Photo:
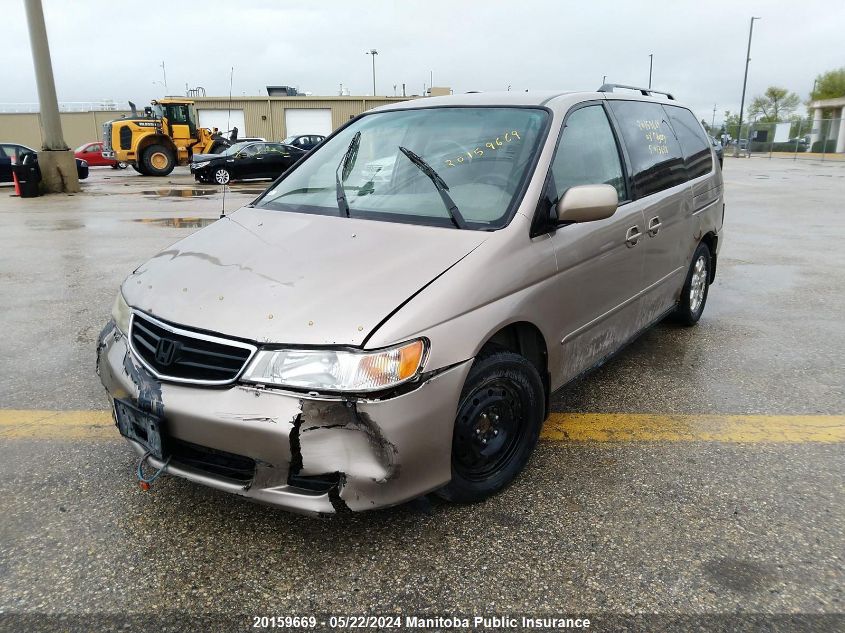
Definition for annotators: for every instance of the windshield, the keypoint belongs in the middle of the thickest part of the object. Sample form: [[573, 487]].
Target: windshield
[[481, 154], [234, 149]]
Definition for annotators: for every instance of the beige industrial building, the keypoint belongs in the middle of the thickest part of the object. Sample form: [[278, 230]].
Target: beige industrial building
[[272, 118]]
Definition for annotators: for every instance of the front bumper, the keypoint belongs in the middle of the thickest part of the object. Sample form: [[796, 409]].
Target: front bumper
[[381, 452]]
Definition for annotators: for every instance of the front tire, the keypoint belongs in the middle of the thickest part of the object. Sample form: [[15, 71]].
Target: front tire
[[696, 287], [158, 160], [221, 176], [499, 418], [121, 165]]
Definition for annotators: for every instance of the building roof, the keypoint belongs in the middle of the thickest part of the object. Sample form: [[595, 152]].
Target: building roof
[[838, 102]]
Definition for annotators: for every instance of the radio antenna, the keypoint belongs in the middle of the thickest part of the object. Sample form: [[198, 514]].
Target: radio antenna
[[223, 210]]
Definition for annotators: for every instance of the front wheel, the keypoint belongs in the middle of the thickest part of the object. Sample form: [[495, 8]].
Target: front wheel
[[121, 165], [158, 160], [694, 292], [222, 176], [498, 424]]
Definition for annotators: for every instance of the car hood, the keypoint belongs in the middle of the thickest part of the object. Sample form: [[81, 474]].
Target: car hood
[[203, 158], [296, 278]]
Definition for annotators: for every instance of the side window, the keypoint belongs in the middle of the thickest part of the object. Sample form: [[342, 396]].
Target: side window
[[587, 153], [655, 154], [694, 143], [249, 150]]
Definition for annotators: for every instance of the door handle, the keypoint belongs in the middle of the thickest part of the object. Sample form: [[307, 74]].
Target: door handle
[[632, 237], [654, 226]]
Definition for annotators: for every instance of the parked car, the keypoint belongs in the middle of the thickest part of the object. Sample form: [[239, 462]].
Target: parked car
[[92, 153], [304, 141], [346, 342], [720, 151], [243, 161], [14, 152]]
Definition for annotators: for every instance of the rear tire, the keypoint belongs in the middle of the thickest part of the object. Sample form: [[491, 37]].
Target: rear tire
[[696, 287], [158, 160], [499, 418]]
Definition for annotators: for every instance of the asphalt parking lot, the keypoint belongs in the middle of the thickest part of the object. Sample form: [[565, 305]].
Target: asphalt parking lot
[[699, 472]]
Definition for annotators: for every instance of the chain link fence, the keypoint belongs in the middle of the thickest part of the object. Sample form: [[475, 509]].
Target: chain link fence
[[819, 139]]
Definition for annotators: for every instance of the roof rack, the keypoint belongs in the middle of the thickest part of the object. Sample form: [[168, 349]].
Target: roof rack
[[646, 92]]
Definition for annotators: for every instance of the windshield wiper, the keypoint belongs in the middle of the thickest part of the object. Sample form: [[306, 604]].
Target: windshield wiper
[[442, 187], [342, 172]]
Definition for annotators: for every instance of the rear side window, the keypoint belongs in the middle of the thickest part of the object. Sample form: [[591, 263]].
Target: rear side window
[[694, 143], [587, 154], [656, 157]]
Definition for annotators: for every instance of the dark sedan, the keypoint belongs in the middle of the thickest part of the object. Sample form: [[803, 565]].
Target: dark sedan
[[243, 161], [14, 152], [304, 141]]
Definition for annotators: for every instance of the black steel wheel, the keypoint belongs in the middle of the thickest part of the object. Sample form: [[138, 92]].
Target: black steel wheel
[[497, 426]]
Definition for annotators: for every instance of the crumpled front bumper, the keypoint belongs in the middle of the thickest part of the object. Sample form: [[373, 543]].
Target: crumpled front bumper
[[384, 452]]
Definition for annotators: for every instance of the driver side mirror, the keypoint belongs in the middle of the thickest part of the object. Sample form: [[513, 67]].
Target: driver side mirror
[[587, 203]]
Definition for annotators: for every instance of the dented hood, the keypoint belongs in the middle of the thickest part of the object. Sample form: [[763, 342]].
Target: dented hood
[[295, 278]]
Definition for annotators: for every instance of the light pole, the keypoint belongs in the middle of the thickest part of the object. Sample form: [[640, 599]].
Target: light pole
[[744, 82], [57, 164], [713, 122], [650, 64], [373, 52]]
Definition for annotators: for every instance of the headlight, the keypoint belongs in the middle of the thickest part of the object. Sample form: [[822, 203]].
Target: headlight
[[337, 370], [120, 312], [196, 166]]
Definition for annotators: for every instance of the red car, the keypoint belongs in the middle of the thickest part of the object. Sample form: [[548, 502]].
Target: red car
[[92, 153]]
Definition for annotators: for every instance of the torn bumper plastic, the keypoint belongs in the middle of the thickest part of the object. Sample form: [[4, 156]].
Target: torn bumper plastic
[[359, 454]]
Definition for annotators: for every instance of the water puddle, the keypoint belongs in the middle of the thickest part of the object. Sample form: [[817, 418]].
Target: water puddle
[[178, 223], [179, 193]]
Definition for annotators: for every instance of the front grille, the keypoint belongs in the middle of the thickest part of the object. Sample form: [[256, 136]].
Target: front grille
[[107, 137], [185, 356], [212, 461]]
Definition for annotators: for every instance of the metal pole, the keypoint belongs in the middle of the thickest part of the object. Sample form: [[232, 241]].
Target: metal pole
[[164, 73], [51, 125], [744, 82], [650, 63], [713, 122], [373, 52]]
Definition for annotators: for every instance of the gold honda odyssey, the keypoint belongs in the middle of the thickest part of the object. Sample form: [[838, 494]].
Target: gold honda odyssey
[[390, 317]]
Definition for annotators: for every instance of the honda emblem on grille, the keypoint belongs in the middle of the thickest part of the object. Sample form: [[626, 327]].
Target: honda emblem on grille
[[166, 351]]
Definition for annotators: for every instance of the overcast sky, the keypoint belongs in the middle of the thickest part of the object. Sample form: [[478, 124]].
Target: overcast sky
[[113, 50]]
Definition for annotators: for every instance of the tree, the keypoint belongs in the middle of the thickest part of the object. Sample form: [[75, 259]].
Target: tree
[[774, 105], [829, 85]]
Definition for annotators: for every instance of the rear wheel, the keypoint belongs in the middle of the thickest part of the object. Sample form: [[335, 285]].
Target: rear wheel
[[222, 176], [497, 427], [121, 165], [158, 160], [694, 292]]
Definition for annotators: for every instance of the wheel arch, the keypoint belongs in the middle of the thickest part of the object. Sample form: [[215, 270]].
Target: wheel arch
[[712, 242], [526, 339], [155, 139]]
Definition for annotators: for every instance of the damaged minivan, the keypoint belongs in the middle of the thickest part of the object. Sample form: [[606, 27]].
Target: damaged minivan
[[390, 317]]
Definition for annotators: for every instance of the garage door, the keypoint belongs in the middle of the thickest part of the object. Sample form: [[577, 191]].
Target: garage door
[[223, 120], [308, 121]]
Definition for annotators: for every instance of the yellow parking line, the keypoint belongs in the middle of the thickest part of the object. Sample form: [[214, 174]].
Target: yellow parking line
[[560, 427], [644, 427]]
